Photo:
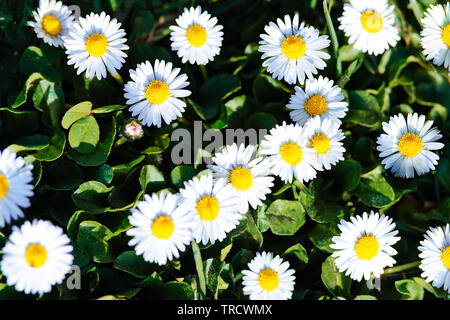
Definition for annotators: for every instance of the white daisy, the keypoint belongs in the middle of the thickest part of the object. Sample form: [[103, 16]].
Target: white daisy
[[53, 20], [288, 153], [154, 92], [436, 34], [250, 178], [269, 278], [15, 186], [364, 246], [215, 206], [325, 137], [293, 50], [36, 257], [408, 145], [435, 255], [96, 43], [161, 229], [369, 24], [197, 38], [320, 98]]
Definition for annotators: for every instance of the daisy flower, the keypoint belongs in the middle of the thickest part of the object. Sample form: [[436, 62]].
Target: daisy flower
[[320, 98], [287, 151], [52, 21], [325, 137], [15, 186], [197, 37], [94, 44], [293, 50], [269, 278], [369, 24], [364, 246], [435, 255], [36, 257], [214, 205], [250, 178], [436, 34], [161, 229], [408, 145], [154, 92]]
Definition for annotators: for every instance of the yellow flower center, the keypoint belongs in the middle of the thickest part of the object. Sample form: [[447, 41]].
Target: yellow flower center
[[446, 35], [4, 185], [293, 47], [366, 247], [96, 45], [208, 208], [320, 142], [157, 92], [196, 35], [316, 105], [445, 257], [51, 25], [371, 21], [36, 255], [291, 153], [268, 279], [163, 227], [410, 145], [241, 178]]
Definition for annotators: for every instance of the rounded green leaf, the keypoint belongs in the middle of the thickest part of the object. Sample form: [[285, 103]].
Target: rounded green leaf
[[285, 217], [133, 264], [76, 113], [91, 196], [84, 135], [180, 174]]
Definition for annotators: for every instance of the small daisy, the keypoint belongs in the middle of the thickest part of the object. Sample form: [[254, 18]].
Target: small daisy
[[15, 186], [436, 34], [214, 205], [132, 129], [36, 257], [369, 24], [325, 137], [154, 92], [94, 44], [435, 255], [250, 179], [364, 246], [197, 38], [269, 278], [293, 50], [288, 153], [161, 229], [408, 145], [53, 20], [320, 98]]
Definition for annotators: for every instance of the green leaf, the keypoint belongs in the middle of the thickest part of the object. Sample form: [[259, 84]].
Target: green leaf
[[91, 196], [321, 236], [318, 208], [84, 135], [180, 174], [63, 174], [251, 238], [33, 60], [151, 179], [109, 109], [336, 282], [364, 109], [49, 98], [267, 89], [93, 239], [374, 190], [285, 217], [365, 297], [297, 256], [438, 293], [57, 142], [30, 143], [261, 120], [175, 290], [101, 152], [133, 264], [347, 175], [212, 270], [409, 289], [75, 113], [31, 83]]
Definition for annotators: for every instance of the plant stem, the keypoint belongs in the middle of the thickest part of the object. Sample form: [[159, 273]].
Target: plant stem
[[119, 142], [199, 267], [333, 36], [401, 268], [204, 73], [117, 77]]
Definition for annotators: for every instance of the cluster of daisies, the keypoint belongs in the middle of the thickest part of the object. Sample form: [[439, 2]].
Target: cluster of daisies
[[38, 254]]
